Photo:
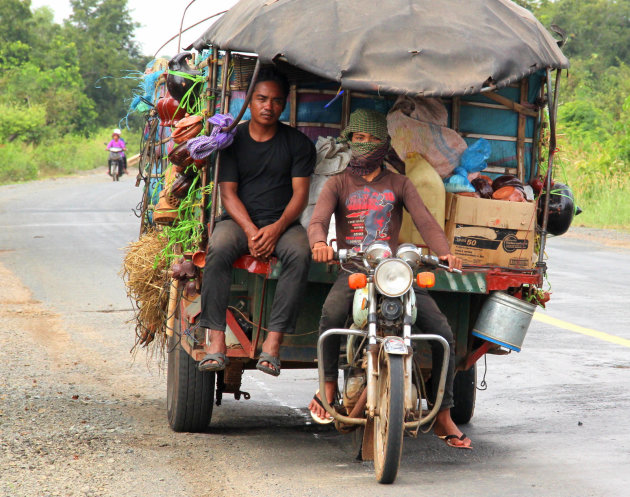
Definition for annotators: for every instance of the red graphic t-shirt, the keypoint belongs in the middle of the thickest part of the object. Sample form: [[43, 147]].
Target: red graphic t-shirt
[[368, 211]]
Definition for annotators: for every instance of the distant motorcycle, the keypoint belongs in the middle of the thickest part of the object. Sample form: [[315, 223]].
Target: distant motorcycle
[[115, 163]]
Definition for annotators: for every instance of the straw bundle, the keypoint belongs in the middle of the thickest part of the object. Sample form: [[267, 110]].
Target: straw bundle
[[146, 278]]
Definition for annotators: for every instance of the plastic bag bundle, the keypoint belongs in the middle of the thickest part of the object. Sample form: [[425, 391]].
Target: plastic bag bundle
[[472, 160]]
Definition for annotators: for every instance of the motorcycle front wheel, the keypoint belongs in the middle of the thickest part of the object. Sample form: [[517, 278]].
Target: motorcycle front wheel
[[389, 423], [113, 171]]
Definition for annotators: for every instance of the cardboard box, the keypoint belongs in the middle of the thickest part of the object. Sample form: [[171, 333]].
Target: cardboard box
[[491, 232]]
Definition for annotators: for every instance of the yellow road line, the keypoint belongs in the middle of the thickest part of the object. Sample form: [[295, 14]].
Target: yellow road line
[[543, 318]]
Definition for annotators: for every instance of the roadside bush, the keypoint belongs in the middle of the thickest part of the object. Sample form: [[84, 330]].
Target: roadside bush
[[22, 123], [60, 156], [70, 154], [17, 163]]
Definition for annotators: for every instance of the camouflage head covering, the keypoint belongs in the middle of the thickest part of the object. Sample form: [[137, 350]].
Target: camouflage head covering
[[366, 157], [366, 121]]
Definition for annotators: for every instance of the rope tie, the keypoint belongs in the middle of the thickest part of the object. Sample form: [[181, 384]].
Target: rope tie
[[202, 146]]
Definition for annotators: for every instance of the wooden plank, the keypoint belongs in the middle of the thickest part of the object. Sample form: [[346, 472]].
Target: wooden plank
[[316, 91], [500, 170], [510, 104], [520, 135], [314, 125], [293, 105], [133, 160], [468, 103], [345, 108], [494, 137], [455, 113]]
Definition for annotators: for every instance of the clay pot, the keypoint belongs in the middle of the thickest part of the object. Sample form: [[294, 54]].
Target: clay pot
[[176, 270], [509, 193], [165, 212], [188, 268], [506, 180], [199, 258], [482, 187], [167, 109], [187, 128], [181, 186], [179, 85], [180, 156], [561, 210], [190, 288]]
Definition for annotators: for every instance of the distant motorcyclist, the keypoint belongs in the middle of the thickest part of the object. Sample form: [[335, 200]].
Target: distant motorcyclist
[[118, 142]]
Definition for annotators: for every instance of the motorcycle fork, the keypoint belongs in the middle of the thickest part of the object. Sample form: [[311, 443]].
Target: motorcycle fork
[[408, 363], [373, 350]]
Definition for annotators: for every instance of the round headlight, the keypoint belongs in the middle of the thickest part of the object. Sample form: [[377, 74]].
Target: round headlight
[[377, 251], [409, 253], [393, 277]]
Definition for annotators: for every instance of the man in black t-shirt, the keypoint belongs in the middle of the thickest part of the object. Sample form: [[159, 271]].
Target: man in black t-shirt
[[264, 183]]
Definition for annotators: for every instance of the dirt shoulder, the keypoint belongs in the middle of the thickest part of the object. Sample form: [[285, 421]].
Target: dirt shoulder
[[611, 238], [74, 422]]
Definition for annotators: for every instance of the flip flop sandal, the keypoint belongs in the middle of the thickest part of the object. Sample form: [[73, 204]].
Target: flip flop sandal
[[448, 438], [316, 418], [273, 360], [219, 364]]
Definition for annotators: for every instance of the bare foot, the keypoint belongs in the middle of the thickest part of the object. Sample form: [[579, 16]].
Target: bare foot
[[217, 344], [444, 426], [272, 346], [315, 408]]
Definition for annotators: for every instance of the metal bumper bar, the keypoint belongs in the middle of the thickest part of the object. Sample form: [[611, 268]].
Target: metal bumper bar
[[440, 393], [361, 421]]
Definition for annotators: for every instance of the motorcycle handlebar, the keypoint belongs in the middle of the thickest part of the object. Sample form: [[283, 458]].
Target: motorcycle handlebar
[[345, 255]]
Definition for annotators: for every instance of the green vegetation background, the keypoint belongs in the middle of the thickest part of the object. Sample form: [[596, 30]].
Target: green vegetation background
[[64, 87]]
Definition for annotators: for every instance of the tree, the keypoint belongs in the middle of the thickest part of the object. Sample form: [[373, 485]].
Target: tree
[[596, 28], [103, 33], [15, 34]]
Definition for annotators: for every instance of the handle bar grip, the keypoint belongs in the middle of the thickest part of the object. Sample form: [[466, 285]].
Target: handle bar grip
[[432, 260]]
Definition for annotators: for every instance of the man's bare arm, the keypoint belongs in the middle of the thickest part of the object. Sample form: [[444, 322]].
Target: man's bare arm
[[237, 211]]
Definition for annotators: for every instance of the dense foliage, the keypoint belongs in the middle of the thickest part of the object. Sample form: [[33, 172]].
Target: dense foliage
[[51, 81], [594, 111]]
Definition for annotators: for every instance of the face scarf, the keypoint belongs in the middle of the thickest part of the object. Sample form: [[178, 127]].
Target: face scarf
[[366, 157]]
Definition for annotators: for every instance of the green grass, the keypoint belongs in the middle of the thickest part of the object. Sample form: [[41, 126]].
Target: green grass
[[600, 183], [65, 155]]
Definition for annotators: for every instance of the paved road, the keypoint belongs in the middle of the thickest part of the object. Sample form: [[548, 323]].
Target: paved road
[[554, 420]]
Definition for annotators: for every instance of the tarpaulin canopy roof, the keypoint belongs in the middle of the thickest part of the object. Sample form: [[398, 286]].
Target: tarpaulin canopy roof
[[425, 47]]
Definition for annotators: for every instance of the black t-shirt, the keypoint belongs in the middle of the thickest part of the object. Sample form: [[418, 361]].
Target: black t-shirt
[[263, 170]]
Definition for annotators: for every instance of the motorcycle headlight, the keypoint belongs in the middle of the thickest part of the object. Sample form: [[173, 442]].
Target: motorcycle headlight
[[393, 277], [376, 252], [409, 253]]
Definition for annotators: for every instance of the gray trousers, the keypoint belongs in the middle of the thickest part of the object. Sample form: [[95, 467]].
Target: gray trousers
[[229, 242], [338, 307]]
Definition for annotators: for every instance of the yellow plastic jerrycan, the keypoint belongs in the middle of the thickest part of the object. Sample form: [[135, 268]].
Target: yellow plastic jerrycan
[[431, 188]]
